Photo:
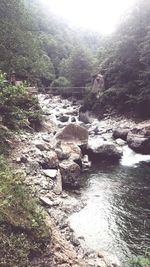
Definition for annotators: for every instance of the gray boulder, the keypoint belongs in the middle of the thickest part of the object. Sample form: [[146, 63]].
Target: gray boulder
[[121, 133], [49, 160], [70, 172], [104, 151], [73, 133], [139, 142]]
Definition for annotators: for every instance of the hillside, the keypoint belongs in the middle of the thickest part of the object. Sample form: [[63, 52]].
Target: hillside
[[41, 47], [125, 63]]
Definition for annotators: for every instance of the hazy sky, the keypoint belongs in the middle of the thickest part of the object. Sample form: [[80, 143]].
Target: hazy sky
[[97, 15]]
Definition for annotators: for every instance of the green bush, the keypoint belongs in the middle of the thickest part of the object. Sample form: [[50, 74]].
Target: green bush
[[17, 108], [60, 82], [141, 261], [23, 233]]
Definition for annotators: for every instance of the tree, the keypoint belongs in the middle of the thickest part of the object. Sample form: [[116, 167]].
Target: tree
[[78, 67]]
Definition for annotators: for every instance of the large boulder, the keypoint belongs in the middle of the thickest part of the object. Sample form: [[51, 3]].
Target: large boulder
[[68, 150], [49, 160], [73, 133], [139, 140], [121, 133], [70, 172], [104, 151]]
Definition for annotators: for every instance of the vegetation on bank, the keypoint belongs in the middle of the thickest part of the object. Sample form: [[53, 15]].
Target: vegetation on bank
[[23, 232], [24, 235], [141, 261], [18, 110]]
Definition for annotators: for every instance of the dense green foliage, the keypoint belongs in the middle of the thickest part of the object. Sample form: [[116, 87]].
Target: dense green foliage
[[141, 261], [23, 233], [35, 43], [42, 49], [17, 108], [125, 62]]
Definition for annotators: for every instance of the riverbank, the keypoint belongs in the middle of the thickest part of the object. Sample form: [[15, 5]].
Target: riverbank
[[40, 156]]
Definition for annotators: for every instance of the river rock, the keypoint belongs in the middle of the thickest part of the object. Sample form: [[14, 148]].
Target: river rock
[[70, 172], [40, 145], [72, 150], [86, 164], [84, 117], [73, 133], [64, 118], [121, 133], [49, 160], [46, 201], [138, 142], [58, 184], [120, 142], [73, 119], [50, 173], [104, 151]]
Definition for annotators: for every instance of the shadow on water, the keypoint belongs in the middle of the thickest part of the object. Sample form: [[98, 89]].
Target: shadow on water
[[117, 215]]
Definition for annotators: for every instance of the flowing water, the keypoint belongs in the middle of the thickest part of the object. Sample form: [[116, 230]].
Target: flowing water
[[116, 218]]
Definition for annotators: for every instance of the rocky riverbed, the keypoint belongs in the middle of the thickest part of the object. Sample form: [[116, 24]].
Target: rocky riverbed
[[54, 159]]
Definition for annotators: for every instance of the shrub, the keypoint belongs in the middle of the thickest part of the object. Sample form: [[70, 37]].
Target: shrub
[[60, 82], [141, 261], [17, 108], [23, 233]]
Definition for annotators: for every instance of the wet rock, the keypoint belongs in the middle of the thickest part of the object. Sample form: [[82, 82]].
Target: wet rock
[[50, 173], [121, 133], [74, 241], [73, 133], [84, 117], [73, 119], [138, 142], [120, 142], [104, 151], [86, 164], [64, 118], [70, 174]]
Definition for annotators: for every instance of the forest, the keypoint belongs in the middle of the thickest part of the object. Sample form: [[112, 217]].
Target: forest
[[44, 50]]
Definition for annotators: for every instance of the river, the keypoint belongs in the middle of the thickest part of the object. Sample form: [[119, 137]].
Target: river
[[116, 217]]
